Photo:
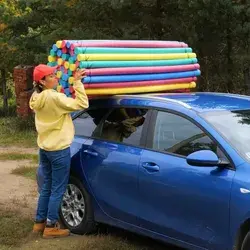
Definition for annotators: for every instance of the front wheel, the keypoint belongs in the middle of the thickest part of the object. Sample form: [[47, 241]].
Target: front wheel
[[76, 210], [246, 242]]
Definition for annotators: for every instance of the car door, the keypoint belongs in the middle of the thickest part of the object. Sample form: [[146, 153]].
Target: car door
[[187, 203], [85, 123], [111, 161]]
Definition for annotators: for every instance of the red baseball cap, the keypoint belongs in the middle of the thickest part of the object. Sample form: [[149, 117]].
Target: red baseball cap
[[42, 70]]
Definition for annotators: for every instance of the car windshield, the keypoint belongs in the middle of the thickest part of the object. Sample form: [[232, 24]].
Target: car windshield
[[234, 126]]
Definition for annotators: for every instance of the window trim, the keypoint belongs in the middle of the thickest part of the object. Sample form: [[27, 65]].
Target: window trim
[[152, 127], [144, 134]]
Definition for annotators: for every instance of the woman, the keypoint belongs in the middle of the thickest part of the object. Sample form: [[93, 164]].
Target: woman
[[55, 134]]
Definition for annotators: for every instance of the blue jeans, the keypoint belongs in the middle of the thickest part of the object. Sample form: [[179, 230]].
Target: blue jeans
[[56, 167]]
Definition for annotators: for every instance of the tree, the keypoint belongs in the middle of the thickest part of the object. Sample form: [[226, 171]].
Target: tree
[[218, 31]]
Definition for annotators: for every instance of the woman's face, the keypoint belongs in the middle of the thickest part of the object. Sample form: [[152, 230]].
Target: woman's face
[[50, 81]]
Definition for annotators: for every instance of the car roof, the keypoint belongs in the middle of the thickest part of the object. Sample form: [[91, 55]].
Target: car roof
[[199, 102]]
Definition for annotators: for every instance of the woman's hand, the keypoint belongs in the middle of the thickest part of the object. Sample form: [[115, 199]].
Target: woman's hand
[[80, 74]]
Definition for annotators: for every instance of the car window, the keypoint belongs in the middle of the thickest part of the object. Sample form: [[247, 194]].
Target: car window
[[86, 124], [124, 125], [177, 135]]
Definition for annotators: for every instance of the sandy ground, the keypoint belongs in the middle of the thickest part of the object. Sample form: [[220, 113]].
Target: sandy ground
[[17, 192], [18, 150]]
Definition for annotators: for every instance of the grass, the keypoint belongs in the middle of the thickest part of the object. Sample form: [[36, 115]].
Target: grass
[[26, 171], [12, 156], [100, 242], [16, 132], [14, 229], [16, 233]]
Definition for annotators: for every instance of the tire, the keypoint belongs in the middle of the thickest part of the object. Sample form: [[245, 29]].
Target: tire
[[246, 242], [76, 211]]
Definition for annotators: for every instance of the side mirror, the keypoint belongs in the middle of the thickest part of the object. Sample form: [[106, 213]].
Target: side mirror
[[205, 158]]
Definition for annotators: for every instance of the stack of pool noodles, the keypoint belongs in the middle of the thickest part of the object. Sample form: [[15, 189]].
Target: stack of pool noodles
[[125, 66]]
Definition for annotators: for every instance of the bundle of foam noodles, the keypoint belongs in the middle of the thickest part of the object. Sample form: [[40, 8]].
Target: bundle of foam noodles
[[125, 66]]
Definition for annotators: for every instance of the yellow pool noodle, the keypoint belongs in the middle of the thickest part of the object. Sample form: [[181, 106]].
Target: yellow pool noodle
[[66, 65], [133, 57], [59, 74], [59, 44], [71, 80], [60, 61], [72, 67], [51, 58], [134, 90]]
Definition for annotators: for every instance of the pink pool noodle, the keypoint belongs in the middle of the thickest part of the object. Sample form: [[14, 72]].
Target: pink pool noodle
[[64, 50], [141, 70], [130, 44]]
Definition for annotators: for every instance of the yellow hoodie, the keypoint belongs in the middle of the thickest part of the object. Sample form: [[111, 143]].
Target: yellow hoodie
[[52, 116]]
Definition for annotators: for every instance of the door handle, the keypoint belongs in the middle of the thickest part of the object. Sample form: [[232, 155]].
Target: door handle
[[90, 152], [151, 167]]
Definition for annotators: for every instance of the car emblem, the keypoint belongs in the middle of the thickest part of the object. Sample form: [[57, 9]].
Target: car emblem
[[244, 191]]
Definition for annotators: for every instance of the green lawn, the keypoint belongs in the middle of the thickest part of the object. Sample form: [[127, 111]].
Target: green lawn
[[12, 156], [14, 229], [15, 132], [16, 233]]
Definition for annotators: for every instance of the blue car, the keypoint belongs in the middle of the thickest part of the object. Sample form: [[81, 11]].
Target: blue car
[[174, 167]]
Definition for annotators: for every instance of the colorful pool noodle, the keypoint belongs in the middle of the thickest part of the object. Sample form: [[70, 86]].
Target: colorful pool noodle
[[122, 44], [67, 43], [141, 70], [139, 83], [125, 66], [144, 89], [137, 57], [70, 89], [140, 77], [115, 64], [133, 90], [96, 50]]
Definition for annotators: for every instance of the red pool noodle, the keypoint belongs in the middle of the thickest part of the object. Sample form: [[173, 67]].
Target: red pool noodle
[[141, 70], [64, 50], [138, 84]]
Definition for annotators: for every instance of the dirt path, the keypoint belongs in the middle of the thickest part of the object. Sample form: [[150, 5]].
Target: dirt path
[[18, 150], [17, 192]]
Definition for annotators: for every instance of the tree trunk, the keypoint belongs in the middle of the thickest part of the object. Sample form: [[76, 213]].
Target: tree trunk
[[229, 62], [229, 39], [4, 89], [247, 80]]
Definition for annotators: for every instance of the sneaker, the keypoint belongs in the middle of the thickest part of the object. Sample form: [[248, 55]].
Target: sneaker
[[39, 227], [54, 231]]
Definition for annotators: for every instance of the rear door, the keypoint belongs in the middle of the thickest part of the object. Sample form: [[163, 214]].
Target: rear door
[[110, 159]]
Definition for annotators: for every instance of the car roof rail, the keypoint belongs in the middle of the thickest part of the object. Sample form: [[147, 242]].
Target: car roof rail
[[155, 98]]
